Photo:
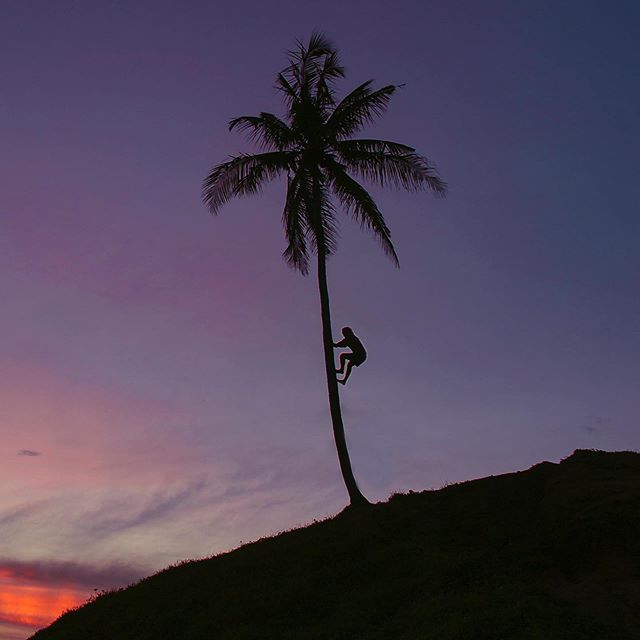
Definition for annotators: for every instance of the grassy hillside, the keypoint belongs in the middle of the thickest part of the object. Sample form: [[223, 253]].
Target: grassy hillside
[[550, 553]]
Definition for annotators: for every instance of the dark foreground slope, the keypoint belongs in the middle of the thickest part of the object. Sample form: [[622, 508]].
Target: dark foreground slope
[[550, 553]]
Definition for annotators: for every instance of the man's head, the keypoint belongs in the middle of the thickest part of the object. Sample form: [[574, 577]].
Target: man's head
[[347, 331]]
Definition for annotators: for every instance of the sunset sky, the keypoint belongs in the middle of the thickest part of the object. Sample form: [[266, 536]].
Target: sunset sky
[[162, 391]]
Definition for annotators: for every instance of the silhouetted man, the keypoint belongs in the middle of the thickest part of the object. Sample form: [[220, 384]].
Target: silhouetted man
[[353, 358]]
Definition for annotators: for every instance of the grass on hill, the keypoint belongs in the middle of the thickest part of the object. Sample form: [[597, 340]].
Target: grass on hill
[[551, 553]]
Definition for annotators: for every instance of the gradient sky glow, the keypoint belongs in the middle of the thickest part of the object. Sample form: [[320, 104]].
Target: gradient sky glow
[[161, 387]]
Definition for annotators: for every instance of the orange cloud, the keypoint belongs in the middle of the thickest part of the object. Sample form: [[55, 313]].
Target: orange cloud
[[36, 606], [33, 594]]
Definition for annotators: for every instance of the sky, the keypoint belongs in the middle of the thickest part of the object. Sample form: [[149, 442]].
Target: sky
[[162, 391]]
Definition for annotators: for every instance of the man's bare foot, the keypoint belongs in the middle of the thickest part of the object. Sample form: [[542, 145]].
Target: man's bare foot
[[342, 381]]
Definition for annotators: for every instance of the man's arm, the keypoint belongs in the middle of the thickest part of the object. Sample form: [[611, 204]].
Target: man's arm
[[342, 343]]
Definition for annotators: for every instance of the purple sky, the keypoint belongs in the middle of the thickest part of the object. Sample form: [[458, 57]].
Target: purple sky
[[162, 393]]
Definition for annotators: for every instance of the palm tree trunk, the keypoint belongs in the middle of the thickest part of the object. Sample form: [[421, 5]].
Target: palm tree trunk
[[355, 495]]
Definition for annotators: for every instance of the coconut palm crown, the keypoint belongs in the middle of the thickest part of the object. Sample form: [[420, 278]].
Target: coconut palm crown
[[315, 148]]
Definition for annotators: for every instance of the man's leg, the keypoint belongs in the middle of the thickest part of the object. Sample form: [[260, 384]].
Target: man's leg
[[344, 357], [347, 373]]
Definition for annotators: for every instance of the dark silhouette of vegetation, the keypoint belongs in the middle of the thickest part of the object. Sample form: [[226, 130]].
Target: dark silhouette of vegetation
[[314, 147], [552, 553]]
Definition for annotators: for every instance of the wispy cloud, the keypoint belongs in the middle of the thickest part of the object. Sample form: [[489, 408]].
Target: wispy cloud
[[29, 453], [68, 574], [20, 513], [121, 515]]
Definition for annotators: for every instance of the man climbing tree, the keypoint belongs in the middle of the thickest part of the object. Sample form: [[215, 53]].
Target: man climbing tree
[[353, 358]]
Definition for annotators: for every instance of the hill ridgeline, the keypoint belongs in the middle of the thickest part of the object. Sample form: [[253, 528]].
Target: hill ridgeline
[[551, 553]]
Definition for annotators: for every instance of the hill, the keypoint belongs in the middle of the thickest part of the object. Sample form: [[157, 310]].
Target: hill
[[549, 553]]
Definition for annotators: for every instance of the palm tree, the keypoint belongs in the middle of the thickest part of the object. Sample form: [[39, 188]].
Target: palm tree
[[314, 147]]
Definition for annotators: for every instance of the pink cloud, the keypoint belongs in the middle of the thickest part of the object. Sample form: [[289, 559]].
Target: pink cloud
[[33, 594]]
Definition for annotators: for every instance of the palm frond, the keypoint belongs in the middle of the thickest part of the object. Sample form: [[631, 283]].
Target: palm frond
[[291, 96], [319, 45], [306, 60], [358, 108], [243, 175], [322, 221], [266, 129], [294, 220], [390, 164], [357, 200], [311, 70], [331, 69], [363, 144]]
